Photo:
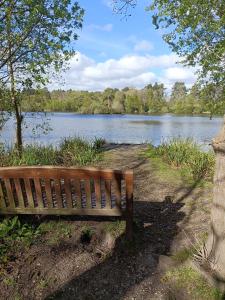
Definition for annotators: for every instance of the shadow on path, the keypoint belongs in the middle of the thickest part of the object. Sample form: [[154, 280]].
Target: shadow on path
[[129, 264]]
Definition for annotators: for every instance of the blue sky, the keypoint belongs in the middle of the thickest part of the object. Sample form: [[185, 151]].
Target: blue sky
[[116, 52]]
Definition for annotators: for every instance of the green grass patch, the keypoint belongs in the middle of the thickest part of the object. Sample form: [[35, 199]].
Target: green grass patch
[[192, 282], [55, 231], [15, 235], [183, 254], [71, 151], [115, 228], [187, 156]]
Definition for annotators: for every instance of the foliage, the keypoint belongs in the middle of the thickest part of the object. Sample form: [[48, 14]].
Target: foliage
[[195, 31], [209, 99], [36, 40], [71, 151], [15, 234], [186, 153]]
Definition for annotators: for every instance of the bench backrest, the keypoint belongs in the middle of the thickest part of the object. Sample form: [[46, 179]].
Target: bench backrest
[[65, 191]]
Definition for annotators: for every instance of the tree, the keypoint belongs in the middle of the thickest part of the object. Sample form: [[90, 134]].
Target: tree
[[213, 98], [195, 31], [35, 39], [178, 97], [118, 105]]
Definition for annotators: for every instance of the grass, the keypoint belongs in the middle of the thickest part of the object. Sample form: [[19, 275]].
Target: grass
[[184, 254], [115, 228], [71, 151], [56, 231], [190, 281], [186, 155]]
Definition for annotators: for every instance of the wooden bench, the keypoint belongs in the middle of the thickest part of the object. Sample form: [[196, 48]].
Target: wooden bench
[[67, 191]]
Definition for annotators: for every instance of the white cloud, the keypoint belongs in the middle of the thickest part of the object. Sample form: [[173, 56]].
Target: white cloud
[[143, 45], [179, 74], [130, 70], [106, 27]]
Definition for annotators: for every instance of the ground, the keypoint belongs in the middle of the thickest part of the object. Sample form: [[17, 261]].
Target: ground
[[92, 260]]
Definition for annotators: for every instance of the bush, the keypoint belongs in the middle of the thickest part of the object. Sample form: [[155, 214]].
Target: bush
[[186, 153]]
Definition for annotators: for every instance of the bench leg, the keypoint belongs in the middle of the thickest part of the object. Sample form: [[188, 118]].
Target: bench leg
[[129, 228]]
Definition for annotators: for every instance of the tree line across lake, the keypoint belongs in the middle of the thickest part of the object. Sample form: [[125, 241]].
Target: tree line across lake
[[151, 99]]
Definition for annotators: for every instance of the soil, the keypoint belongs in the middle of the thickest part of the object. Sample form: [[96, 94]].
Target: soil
[[169, 215]]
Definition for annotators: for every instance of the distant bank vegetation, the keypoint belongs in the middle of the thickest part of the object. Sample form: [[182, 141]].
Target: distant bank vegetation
[[151, 99]]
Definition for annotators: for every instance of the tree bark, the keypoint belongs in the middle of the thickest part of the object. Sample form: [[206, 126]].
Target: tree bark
[[216, 241], [19, 140]]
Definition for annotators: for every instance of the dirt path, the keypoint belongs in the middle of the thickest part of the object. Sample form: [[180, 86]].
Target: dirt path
[[168, 213]]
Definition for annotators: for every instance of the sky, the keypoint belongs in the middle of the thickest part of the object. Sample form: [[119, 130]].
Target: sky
[[116, 52]]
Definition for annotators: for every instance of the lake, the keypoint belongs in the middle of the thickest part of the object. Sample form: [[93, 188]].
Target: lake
[[133, 129]]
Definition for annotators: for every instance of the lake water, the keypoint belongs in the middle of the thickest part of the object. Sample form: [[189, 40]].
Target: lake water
[[115, 128]]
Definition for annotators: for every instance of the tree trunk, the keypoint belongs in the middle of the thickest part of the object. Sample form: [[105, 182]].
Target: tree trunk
[[19, 140], [216, 241], [11, 71]]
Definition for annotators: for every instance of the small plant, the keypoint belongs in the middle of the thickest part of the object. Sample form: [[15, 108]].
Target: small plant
[[86, 234], [99, 143], [15, 234]]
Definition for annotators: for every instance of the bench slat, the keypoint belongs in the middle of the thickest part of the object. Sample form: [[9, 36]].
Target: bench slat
[[37, 185], [67, 187], [87, 186], [29, 194], [19, 192], [98, 197], [117, 183], [108, 204], [2, 198], [58, 195], [59, 172], [9, 193], [63, 211], [77, 193]]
